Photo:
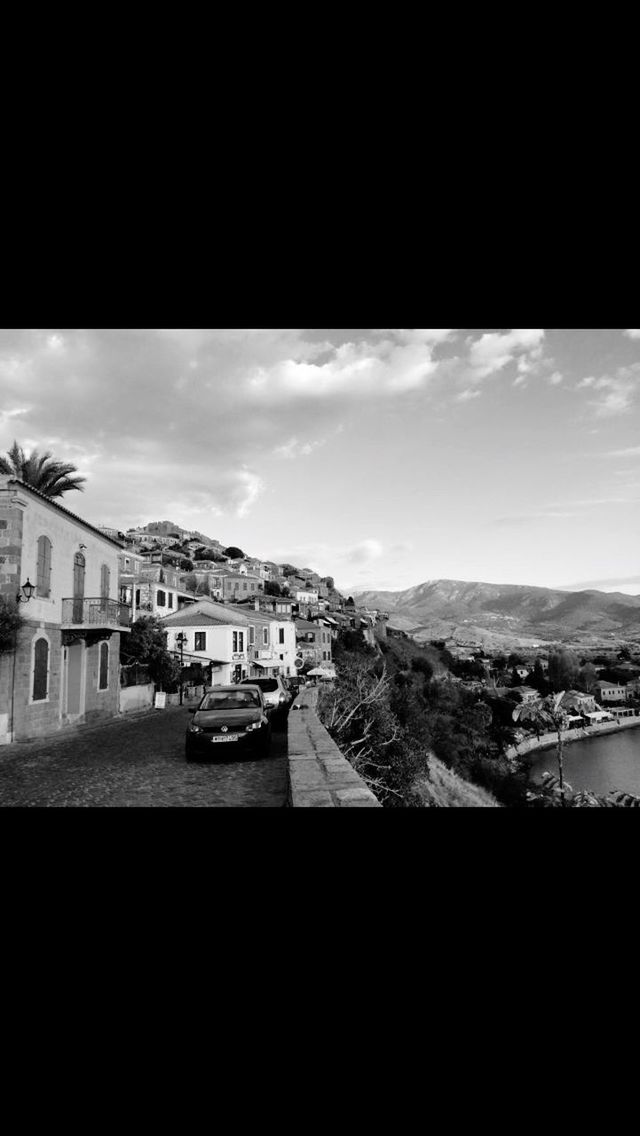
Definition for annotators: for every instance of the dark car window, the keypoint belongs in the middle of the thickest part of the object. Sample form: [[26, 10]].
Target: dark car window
[[267, 685], [231, 700]]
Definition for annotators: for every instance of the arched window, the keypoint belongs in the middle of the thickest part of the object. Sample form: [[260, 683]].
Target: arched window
[[44, 567], [103, 680], [41, 671]]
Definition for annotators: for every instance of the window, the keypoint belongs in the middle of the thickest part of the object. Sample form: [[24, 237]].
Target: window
[[245, 587], [241, 639], [41, 671], [281, 635], [265, 636], [137, 597], [161, 599], [201, 641], [235, 642], [252, 636], [170, 598], [103, 679], [44, 567]]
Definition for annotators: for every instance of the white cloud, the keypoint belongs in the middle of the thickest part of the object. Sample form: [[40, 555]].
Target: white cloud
[[466, 395], [494, 351], [295, 449], [617, 392], [633, 333], [365, 551]]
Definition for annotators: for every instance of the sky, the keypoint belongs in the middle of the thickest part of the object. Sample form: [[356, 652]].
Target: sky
[[383, 457]]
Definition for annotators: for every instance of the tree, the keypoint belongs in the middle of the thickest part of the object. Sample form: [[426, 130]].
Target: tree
[[271, 588], [588, 677], [538, 680], [10, 623], [563, 669], [147, 644], [548, 712], [234, 553], [41, 472]]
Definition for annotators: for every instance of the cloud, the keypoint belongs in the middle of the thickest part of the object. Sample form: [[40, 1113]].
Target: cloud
[[466, 395], [365, 551], [295, 449], [617, 392], [633, 333], [494, 351]]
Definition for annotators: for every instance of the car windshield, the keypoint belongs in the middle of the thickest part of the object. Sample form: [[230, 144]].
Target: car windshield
[[267, 685], [231, 700]]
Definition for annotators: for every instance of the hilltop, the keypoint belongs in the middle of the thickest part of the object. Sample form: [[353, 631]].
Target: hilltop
[[498, 615]]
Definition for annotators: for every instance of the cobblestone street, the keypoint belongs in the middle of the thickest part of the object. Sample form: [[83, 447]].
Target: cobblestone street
[[137, 762]]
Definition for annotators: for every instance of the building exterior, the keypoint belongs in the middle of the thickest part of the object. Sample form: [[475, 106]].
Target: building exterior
[[314, 642], [609, 692], [65, 668], [155, 589], [214, 636], [272, 645], [233, 642]]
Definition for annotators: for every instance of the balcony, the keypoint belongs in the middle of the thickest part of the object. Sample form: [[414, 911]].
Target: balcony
[[95, 614]]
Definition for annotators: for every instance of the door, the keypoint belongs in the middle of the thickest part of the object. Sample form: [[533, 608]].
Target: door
[[79, 566], [74, 680]]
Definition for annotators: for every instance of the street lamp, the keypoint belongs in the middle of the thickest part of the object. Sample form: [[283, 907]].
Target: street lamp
[[27, 592], [181, 639]]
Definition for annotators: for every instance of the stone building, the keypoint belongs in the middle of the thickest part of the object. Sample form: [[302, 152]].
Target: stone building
[[64, 667]]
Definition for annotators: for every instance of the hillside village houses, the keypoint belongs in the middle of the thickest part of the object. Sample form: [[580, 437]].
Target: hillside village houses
[[65, 668]]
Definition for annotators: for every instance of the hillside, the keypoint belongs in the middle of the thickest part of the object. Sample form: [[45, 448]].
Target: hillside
[[499, 615]]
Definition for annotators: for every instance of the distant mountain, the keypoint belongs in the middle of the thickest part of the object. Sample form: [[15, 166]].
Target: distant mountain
[[503, 614]]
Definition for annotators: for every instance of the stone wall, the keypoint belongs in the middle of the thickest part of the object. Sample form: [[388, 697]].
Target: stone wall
[[135, 698], [319, 775]]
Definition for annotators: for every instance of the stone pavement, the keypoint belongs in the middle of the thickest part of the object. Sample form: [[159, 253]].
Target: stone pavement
[[137, 762]]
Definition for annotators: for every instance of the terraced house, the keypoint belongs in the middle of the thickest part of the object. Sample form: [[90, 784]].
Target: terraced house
[[64, 665]]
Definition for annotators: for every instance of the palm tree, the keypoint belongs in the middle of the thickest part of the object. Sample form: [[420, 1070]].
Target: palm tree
[[41, 472], [547, 712]]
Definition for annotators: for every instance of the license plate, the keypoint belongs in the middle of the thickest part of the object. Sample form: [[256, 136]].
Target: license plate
[[226, 738]]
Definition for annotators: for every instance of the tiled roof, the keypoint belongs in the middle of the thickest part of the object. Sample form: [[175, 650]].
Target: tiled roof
[[188, 618], [74, 516]]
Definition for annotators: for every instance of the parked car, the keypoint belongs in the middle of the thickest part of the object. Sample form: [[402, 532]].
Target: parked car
[[229, 716], [277, 698]]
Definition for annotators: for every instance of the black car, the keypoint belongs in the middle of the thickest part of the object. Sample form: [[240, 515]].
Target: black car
[[229, 720]]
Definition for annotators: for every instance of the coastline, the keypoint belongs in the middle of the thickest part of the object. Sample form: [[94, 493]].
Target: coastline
[[550, 741]]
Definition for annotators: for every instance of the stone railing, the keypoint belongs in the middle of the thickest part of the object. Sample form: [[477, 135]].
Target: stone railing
[[319, 775]]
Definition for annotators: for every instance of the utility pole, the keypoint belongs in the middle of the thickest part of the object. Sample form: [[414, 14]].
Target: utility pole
[[181, 639]]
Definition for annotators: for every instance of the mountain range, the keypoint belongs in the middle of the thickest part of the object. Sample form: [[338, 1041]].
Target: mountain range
[[507, 615]]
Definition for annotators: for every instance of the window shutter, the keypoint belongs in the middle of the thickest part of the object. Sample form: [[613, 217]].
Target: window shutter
[[104, 667], [105, 582], [47, 567], [40, 670]]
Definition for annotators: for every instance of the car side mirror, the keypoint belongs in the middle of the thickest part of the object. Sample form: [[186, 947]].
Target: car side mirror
[[193, 709]]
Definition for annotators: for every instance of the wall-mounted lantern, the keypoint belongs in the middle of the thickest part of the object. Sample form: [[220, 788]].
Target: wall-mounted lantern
[[27, 592]]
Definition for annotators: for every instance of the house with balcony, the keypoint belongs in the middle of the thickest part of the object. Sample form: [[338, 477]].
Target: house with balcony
[[64, 668], [314, 642], [152, 588]]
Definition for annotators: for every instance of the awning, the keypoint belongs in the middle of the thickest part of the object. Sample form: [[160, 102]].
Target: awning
[[204, 659], [265, 666]]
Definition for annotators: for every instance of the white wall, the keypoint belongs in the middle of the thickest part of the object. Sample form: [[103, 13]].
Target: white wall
[[136, 698]]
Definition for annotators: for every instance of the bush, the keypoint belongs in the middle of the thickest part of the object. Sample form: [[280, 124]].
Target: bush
[[10, 623]]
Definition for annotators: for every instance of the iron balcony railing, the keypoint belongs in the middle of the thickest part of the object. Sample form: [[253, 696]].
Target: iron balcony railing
[[96, 612]]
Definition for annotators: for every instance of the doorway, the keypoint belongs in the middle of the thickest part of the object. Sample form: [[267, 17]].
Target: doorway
[[74, 680]]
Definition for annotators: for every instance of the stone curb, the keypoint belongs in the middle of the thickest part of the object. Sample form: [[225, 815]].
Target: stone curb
[[319, 775]]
